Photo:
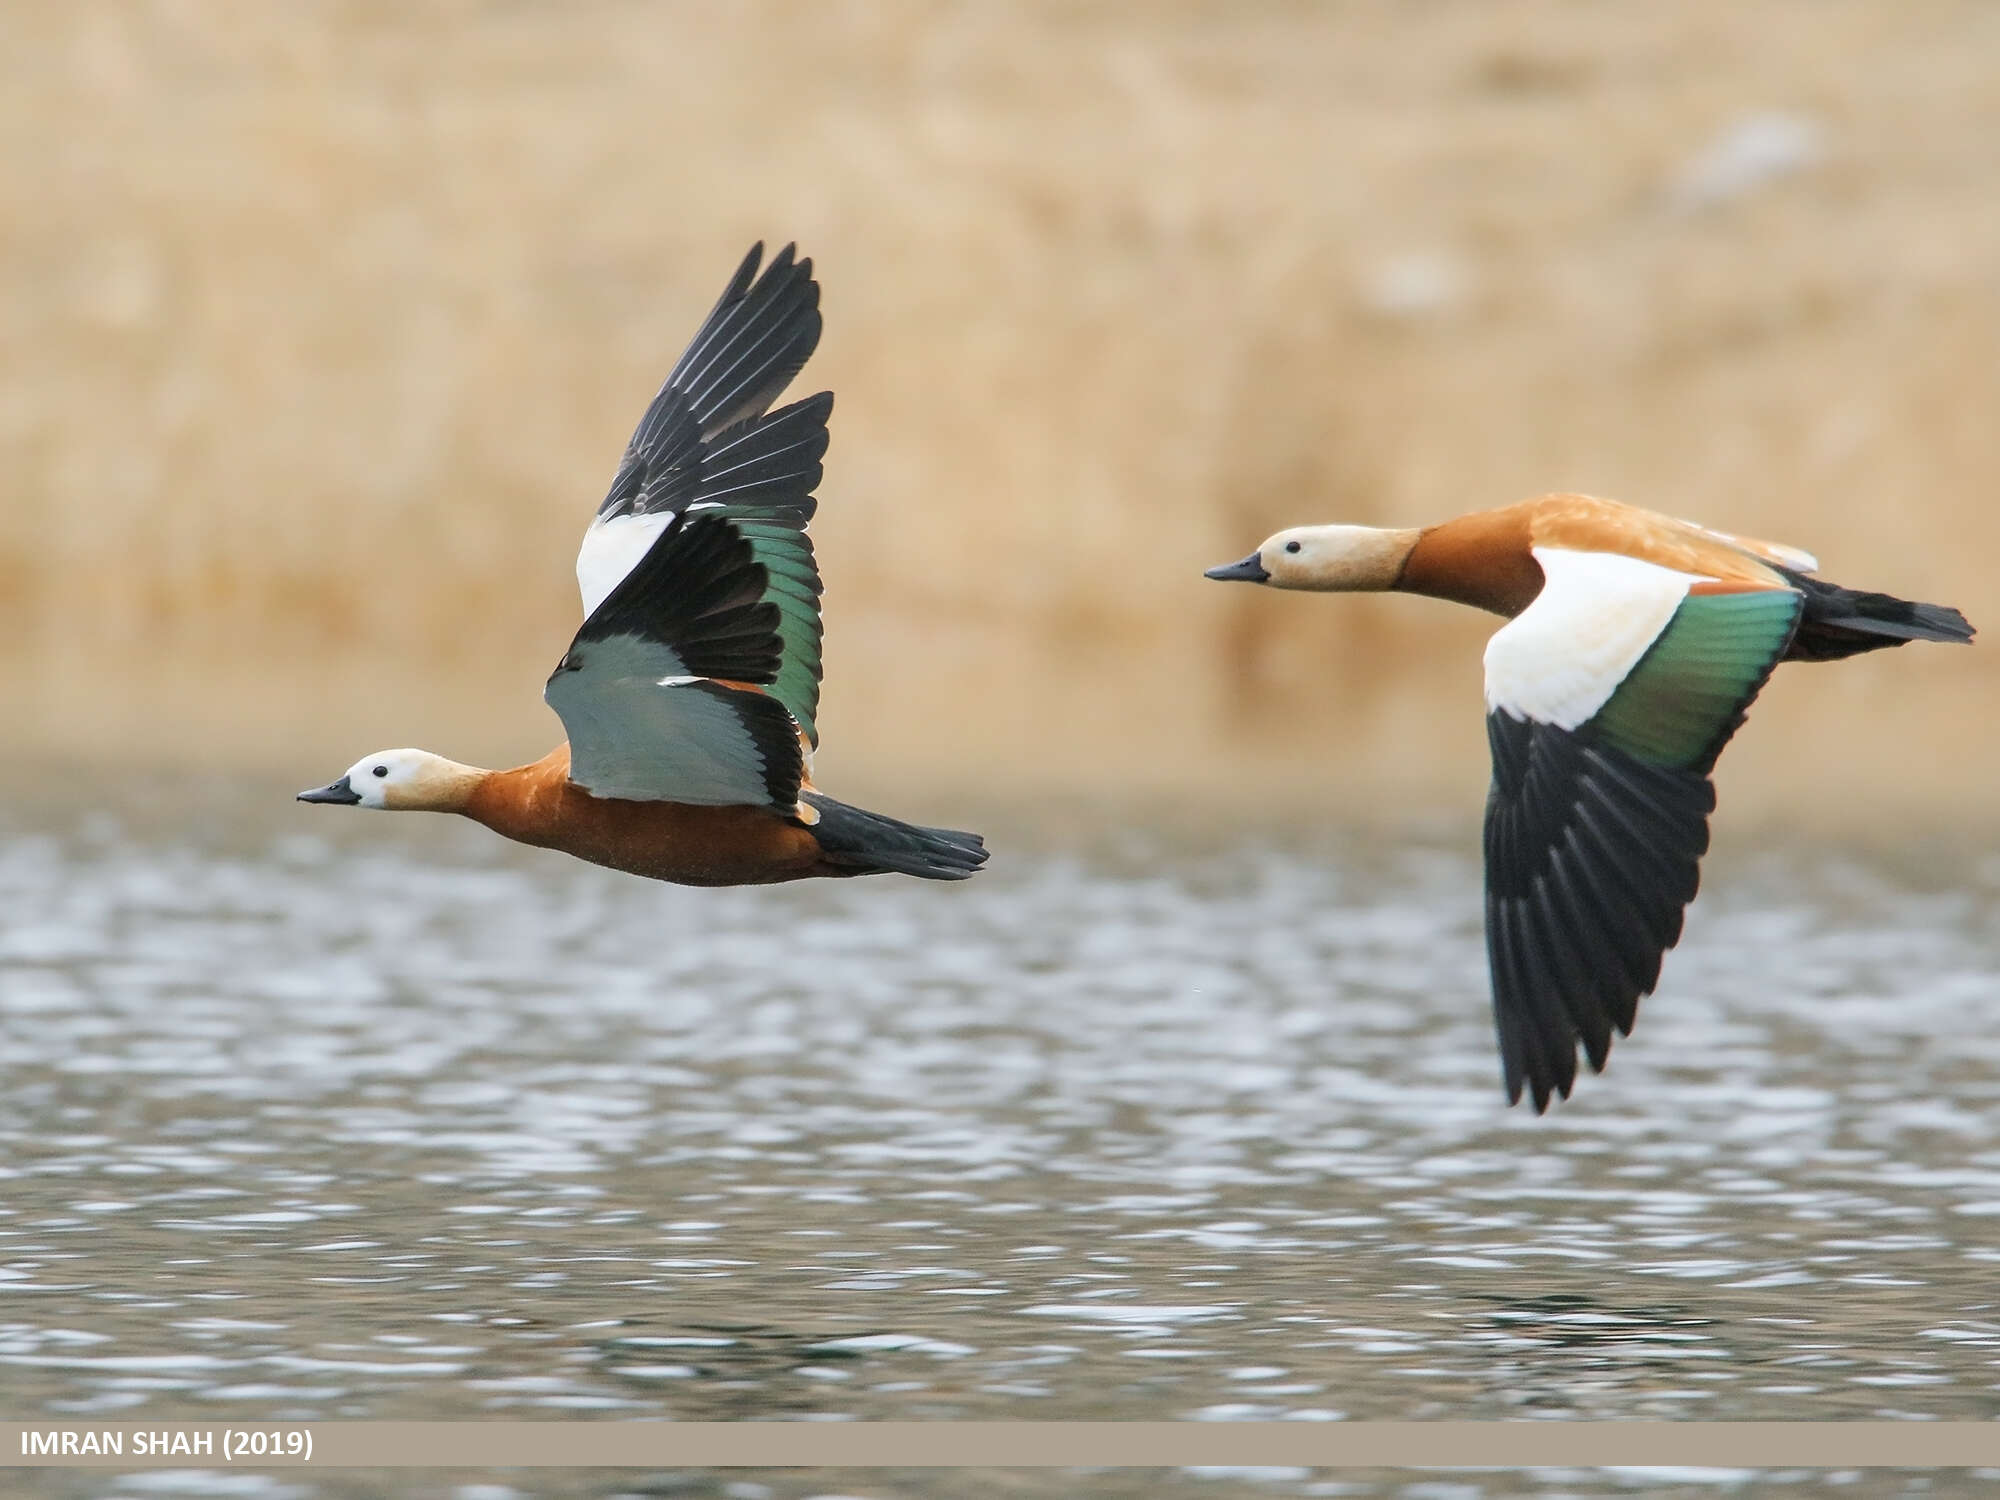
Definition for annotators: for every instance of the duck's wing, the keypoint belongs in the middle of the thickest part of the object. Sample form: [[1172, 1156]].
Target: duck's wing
[[709, 442], [1777, 554], [1608, 700], [1587, 523], [660, 690]]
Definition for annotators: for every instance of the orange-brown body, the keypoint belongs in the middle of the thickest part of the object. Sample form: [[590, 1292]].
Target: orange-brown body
[[1485, 559], [538, 804], [696, 671], [1607, 704]]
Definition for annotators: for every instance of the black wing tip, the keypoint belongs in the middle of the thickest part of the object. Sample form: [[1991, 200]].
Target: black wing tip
[[1591, 858], [747, 277], [1545, 1088], [754, 341], [789, 275], [1542, 1058], [1538, 1092], [746, 273], [758, 335], [1541, 1089]]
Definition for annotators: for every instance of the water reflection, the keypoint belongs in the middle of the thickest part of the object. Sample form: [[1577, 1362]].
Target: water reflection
[[413, 1125]]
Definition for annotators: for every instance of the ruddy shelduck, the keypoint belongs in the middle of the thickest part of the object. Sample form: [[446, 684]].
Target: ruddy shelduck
[[690, 693], [1634, 646]]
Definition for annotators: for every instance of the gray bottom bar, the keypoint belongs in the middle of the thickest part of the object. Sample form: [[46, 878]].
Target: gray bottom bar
[[1814, 1445]]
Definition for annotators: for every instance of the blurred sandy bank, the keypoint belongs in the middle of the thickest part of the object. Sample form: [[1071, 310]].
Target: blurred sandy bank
[[324, 325]]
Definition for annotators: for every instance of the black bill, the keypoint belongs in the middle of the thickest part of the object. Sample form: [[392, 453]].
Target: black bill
[[341, 793], [1250, 570]]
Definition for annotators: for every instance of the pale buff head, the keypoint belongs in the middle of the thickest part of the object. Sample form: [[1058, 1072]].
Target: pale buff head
[[401, 781], [1328, 559]]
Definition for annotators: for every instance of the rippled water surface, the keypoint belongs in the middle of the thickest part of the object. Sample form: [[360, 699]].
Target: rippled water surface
[[328, 1116]]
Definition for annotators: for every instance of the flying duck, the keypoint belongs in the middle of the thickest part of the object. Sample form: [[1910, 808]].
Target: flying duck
[[1634, 646], [690, 693]]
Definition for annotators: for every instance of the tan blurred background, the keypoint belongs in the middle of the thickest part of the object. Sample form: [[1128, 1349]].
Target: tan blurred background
[[324, 325]]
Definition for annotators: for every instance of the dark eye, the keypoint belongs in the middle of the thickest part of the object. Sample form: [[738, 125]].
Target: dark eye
[[1289, 547], [381, 770]]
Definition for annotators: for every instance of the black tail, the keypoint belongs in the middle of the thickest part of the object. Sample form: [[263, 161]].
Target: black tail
[[867, 843], [1841, 622]]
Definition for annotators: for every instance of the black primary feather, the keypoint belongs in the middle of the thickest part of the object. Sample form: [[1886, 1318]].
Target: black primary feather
[[767, 468], [1591, 857], [764, 469], [759, 335]]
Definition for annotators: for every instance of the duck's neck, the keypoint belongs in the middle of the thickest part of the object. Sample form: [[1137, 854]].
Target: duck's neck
[[1358, 559], [444, 786], [1485, 559], [522, 803]]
